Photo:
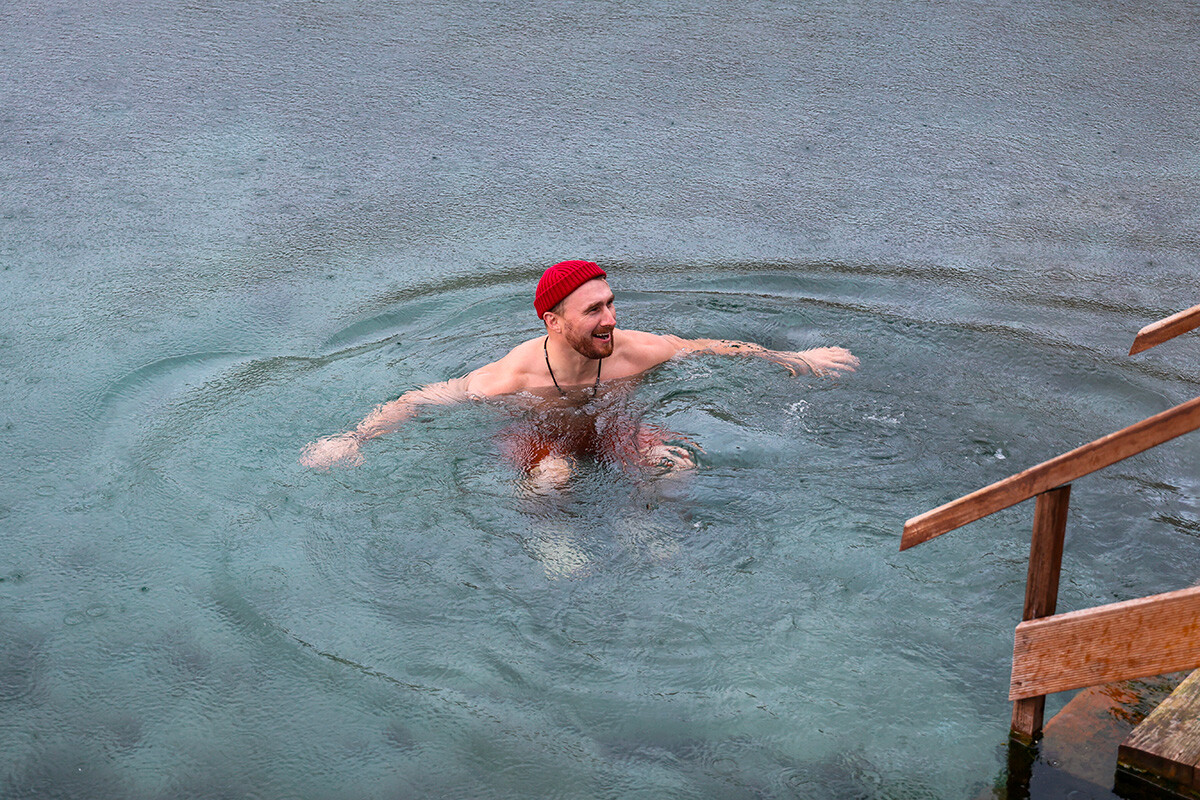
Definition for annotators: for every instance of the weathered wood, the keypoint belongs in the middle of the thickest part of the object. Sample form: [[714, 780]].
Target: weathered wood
[[1165, 748], [1041, 593], [1158, 332], [1058, 471], [1045, 553], [1133, 639], [1082, 739], [1028, 714]]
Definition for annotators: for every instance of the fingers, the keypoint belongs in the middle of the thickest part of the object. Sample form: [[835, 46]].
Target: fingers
[[830, 361], [324, 453], [675, 456], [310, 458]]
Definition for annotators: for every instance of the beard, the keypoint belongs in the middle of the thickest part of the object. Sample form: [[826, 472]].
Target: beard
[[587, 345]]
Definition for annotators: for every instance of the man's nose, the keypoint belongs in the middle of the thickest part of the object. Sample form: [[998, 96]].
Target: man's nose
[[610, 316]]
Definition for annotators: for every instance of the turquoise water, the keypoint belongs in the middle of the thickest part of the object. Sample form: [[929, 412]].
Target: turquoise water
[[228, 230]]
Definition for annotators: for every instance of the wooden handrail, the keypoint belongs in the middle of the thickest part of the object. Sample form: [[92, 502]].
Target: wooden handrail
[[1133, 639], [1158, 332], [1064, 469]]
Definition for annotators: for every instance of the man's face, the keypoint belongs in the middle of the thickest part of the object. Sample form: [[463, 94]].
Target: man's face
[[588, 319]]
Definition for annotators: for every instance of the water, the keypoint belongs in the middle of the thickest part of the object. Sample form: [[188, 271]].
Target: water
[[226, 230]]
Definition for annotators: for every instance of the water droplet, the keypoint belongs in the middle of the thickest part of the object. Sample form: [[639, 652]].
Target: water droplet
[[724, 766]]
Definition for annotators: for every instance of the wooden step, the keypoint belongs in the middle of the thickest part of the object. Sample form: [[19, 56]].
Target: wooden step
[[1164, 750], [1083, 738]]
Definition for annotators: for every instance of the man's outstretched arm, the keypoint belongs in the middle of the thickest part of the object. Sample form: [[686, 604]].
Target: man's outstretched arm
[[344, 447], [819, 361]]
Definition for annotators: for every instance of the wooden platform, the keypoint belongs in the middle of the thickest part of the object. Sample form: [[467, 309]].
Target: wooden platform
[[1079, 749], [1164, 750], [1084, 737]]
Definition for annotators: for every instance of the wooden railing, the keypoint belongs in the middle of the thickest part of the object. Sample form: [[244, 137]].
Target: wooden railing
[[1158, 332], [1137, 638], [1051, 474]]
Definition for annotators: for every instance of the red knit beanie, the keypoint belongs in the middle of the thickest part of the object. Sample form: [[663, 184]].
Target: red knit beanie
[[560, 280]]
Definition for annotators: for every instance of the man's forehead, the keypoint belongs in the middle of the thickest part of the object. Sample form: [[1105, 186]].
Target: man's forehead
[[595, 290]]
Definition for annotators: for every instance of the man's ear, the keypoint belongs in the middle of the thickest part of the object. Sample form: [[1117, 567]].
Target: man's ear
[[553, 323]]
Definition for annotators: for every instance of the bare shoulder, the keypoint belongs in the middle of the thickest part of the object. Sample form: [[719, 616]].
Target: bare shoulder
[[642, 340], [641, 351], [512, 373]]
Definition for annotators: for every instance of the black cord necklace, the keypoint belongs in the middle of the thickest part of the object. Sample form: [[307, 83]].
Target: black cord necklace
[[595, 388]]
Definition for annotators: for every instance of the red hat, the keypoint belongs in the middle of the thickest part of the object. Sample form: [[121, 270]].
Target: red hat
[[560, 280]]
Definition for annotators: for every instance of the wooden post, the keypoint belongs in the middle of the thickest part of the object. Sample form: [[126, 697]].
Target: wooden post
[[1041, 593]]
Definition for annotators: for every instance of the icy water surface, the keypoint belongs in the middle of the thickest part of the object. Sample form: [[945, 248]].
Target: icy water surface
[[227, 230]]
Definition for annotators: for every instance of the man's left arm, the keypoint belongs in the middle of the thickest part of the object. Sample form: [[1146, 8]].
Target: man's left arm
[[819, 361]]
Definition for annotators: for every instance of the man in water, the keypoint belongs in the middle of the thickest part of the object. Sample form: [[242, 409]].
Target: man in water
[[561, 374]]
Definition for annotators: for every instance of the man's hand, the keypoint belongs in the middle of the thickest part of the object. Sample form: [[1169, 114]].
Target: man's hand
[[324, 453], [820, 361], [669, 457], [385, 418]]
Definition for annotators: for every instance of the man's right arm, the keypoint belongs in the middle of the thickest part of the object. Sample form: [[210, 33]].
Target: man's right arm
[[344, 447], [502, 377]]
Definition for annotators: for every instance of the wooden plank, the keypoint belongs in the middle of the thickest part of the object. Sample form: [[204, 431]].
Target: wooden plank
[[1165, 748], [1158, 332], [1058, 471], [1133, 639]]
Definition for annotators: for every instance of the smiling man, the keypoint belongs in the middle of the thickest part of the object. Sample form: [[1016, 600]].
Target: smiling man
[[562, 374]]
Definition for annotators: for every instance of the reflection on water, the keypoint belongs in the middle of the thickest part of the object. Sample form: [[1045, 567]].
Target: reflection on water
[[228, 230]]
